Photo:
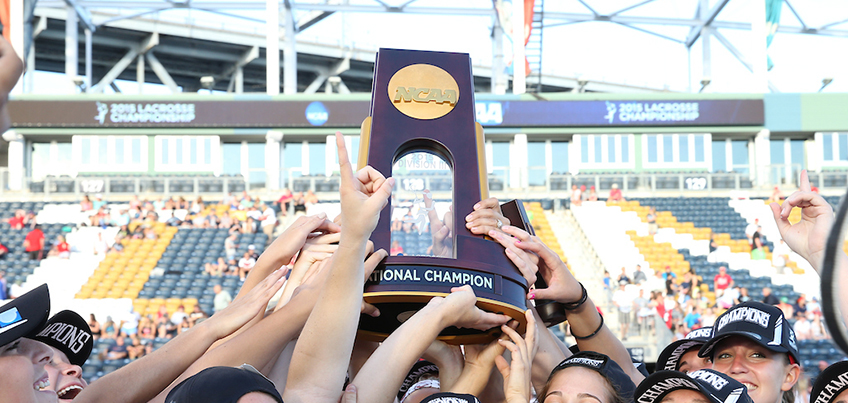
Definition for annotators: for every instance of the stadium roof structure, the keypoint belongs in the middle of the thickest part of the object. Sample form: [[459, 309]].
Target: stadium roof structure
[[227, 51]]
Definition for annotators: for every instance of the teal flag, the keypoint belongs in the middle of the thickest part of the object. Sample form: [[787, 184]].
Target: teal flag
[[773, 8]]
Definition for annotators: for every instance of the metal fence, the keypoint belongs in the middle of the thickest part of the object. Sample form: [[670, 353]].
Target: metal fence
[[498, 182]]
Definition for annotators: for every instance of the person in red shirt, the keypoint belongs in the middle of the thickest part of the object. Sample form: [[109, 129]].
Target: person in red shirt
[[722, 281], [17, 222], [34, 243], [615, 193], [63, 250]]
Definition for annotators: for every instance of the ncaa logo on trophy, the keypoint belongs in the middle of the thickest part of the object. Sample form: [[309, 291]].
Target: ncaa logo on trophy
[[422, 131]]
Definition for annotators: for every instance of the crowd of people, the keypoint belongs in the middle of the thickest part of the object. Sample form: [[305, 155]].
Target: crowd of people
[[306, 348]]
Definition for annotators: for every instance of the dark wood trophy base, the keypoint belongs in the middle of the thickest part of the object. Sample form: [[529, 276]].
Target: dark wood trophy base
[[423, 102]]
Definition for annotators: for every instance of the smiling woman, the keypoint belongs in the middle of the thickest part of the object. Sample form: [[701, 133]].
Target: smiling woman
[[754, 345]]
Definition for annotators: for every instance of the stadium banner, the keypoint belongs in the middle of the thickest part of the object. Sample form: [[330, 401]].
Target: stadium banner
[[189, 112]]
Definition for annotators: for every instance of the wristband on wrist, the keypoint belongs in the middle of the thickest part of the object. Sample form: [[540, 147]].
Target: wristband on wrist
[[595, 333], [570, 306]]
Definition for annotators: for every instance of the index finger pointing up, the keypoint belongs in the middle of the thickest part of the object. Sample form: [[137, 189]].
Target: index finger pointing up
[[805, 181], [345, 170]]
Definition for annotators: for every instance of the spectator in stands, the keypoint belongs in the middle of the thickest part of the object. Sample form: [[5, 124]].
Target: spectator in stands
[[222, 298], [4, 286], [230, 246], [117, 351], [803, 327], [17, 221], [109, 328], [576, 198], [751, 229], [299, 203], [757, 242], [253, 253], [786, 307], [800, 305], [396, 249], [310, 199], [268, 220], [173, 221], [246, 264], [593, 194], [85, 204], [226, 221], [146, 329], [639, 276], [248, 226], [607, 286], [692, 320], [780, 256], [624, 302], [178, 316], [615, 193], [34, 243], [98, 202], [623, 277], [285, 201], [656, 283], [197, 206], [769, 298], [184, 325], [135, 349], [3, 251], [713, 243], [686, 285], [776, 196], [743, 295], [644, 313], [216, 269], [652, 221], [584, 195], [670, 281], [94, 325], [709, 317], [818, 329], [232, 267], [60, 249], [722, 281], [196, 315]]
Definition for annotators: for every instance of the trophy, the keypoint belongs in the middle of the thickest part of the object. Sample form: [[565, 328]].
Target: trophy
[[422, 131]]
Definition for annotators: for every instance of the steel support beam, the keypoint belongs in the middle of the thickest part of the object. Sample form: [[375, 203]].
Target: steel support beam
[[82, 13], [337, 68], [125, 61], [696, 30], [272, 47], [236, 71], [290, 53], [88, 58], [139, 73], [162, 73], [71, 43]]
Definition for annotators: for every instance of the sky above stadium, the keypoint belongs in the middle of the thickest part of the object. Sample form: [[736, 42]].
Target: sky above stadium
[[598, 51]]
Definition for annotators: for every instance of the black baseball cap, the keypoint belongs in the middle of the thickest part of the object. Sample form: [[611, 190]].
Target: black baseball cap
[[604, 365], [447, 397], [24, 316], [760, 322], [715, 386], [422, 367], [669, 359], [830, 383], [222, 385], [69, 333]]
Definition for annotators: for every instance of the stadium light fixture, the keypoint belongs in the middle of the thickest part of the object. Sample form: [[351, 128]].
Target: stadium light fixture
[[825, 82], [704, 83]]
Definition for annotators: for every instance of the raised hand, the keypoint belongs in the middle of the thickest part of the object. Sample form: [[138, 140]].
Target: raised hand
[[808, 236], [526, 262], [562, 286], [362, 195], [242, 310], [485, 217], [517, 373], [459, 309]]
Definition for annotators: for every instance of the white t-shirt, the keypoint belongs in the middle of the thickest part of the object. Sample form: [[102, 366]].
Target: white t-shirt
[[624, 301], [750, 230], [270, 217], [246, 263]]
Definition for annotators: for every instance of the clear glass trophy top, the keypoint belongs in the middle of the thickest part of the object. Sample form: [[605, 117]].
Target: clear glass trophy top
[[422, 206]]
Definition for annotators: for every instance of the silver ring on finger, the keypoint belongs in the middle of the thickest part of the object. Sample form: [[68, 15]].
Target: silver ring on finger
[[500, 223]]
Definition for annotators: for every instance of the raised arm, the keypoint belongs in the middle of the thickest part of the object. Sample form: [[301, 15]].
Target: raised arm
[[808, 237], [585, 320], [380, 378], [144, 378], [322, 353]]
